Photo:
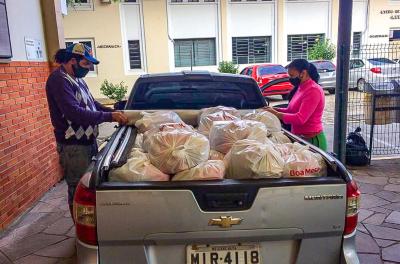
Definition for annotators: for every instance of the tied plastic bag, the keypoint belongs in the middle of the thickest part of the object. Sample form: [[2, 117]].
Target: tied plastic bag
[[250, 159], [220, 108], [209, 170], [303, 163], [178, 150], [153, 120], [138, 141], [137, 168], [224, 134], [206, 121], [279, 138], [215, 155], [272, 123], [163, 127]]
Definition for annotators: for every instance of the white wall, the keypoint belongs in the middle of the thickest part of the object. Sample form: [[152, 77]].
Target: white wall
[[359, 15], [193, 20], [251, 19], [25, 20], [307, 17]]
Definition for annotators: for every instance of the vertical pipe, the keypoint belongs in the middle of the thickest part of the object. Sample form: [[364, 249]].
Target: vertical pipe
[[342, 77]]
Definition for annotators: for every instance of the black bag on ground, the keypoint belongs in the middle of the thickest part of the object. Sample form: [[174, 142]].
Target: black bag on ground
[[357, 152]]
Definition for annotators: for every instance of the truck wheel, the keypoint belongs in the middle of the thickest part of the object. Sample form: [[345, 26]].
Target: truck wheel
[[361, 85]]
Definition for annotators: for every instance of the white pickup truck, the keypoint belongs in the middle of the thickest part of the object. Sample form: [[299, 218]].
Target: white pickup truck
[[276, 220]]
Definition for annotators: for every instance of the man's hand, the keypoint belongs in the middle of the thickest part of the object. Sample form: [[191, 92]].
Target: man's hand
[[119, 117]]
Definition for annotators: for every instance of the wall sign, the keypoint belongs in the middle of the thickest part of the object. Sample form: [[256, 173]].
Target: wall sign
[[109, 46], [378, 36], [393, 13], [33, 48]]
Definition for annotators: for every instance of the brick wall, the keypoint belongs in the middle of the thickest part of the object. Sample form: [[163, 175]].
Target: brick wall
[[28, 158]]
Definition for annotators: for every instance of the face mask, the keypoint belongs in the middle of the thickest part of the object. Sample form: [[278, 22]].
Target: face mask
[[79, 71], [295, 81]]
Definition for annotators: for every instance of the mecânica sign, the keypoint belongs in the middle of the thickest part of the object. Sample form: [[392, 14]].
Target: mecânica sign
[[394, 13]]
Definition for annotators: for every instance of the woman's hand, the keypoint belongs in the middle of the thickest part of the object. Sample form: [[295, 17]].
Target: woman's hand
[[273, 111]]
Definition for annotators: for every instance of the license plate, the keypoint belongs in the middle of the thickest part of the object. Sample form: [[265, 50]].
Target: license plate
[[223, 254]]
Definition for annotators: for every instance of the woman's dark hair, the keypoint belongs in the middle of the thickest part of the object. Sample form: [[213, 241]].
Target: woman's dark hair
[[62, 56], [301, 65]]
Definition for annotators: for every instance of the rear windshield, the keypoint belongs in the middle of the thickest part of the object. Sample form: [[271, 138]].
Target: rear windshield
[[381, 61], [324, 66], [196, 95], [275, 69]]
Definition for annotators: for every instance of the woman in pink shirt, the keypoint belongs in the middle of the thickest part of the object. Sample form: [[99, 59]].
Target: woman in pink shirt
[[304, 112]]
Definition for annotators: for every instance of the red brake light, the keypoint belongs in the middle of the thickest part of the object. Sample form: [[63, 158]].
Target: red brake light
[[353, 205], [376, 70], [85, 212]]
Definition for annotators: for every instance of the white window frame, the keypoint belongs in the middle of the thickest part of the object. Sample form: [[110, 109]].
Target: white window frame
[[79, 40], [125, 46], [83, 6], [186, 2]]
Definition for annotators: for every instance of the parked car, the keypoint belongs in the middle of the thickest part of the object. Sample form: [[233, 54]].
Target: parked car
[[264, 73], [275, 220], [378, 73], [327, 72]]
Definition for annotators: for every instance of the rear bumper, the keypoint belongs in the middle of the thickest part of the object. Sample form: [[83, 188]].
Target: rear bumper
[[328, 84], [349, 252], [86, 254]]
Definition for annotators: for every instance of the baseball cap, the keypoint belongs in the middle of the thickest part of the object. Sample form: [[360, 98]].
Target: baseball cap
[[83, 50]]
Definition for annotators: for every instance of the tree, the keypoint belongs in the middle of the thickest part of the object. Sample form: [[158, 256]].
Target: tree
[[322, 50], [228, 67]]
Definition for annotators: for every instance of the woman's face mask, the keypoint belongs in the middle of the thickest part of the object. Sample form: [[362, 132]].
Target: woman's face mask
[[295, 77], [79, 70]]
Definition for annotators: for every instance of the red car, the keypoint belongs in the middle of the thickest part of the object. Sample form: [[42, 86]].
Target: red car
[[264, 73]]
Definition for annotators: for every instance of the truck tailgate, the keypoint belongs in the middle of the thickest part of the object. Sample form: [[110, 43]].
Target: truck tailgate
[[283, 220]]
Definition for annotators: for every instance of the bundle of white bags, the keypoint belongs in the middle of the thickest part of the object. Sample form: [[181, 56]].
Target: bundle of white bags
[[177, 150], [208, 116], [224, 134], [227, 145], [137, 168]]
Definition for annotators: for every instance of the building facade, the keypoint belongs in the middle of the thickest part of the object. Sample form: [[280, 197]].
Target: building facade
[[135, 37], [29, 163]]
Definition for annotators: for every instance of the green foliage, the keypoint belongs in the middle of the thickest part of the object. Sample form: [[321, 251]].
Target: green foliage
[[228, 67], [322, 50], [114, 91]]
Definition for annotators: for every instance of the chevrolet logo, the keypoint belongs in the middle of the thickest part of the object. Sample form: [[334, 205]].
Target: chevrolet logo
[[225, 221]]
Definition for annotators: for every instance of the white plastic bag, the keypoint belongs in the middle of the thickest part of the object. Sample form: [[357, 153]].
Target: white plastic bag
[[279, 138], [138, 141], [178, 150], [272, 122], [224, 134], [250, 159], [220, 108], [137, 168], [153, 120], [208, 170], [301, 162], [215, 155], [163, 127], [206, 121]]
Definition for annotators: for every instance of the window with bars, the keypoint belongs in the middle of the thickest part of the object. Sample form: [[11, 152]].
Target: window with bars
[[246, 50], [198, 52], [135, 61], [299, 45], [356, 43], [5, 43], [87, 42], [82, 4]]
